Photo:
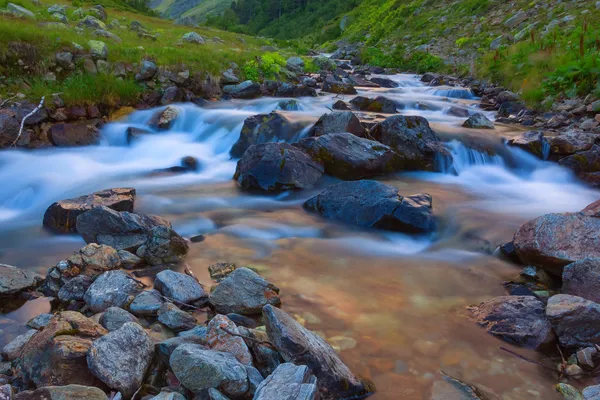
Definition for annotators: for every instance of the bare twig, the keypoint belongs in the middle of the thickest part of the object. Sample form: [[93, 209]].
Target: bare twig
[[136, 392], [5, 101], [179, 303], [25, 118], [265, 343]]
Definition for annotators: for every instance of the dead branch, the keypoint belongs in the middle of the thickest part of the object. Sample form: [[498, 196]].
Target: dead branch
[[265, 343], [25, 118]]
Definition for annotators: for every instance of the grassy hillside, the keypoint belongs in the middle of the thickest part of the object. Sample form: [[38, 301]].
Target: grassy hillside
[[189, 11], [28, 47]]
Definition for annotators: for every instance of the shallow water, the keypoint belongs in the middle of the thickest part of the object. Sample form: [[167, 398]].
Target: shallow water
[[396, 304]]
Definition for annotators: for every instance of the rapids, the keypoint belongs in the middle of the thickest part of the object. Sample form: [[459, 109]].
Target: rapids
[[395, 304]]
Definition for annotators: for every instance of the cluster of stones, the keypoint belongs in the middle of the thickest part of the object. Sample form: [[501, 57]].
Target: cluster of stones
[[112, 334]]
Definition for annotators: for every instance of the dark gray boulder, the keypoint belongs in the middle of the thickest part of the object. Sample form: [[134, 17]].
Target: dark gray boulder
[[244, 90], [111, 289], [265, 128], [585, 164], [178, 287], [172, 317], [121, 358], [74, 289], [300, 346], [478, 121], [14, 280], [379, 104], [163, 246], [276, 167], [413, 139], [520, 320], [13, 349], [532, 142], [198, 370], [338, 122], [68, 392], [333, 85], [384, 82], [120, 230], [350, 157], [147, 303], [165, 348], [375, 205], [114, 318], [244, 292], [582, 278], [61, 216], [575, 320], [288, 382], [80, 133]]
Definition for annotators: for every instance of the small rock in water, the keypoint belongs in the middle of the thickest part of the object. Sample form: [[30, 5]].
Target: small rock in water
[[478, 121], [14, 280], [174, 318], [219, 271], [220, 337], [244, 292], [451, 388], [180, 288]]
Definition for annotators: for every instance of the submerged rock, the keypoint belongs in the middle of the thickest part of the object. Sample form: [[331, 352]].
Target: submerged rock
[[288, 382], [374, 204], [303, 347], [350, 157], [61, 216], [120, 359], [520, 320], [244, 292], [265, 128], [276, 167], [14, 280], [575, 320], [338, 122]]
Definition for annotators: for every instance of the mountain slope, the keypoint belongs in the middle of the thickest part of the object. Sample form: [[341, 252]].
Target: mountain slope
[[189, 11]]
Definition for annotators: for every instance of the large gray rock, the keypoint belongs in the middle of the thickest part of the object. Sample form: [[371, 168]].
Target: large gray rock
[[68, 392], [585, 164], [111, 289], [223, 335], [79, 133], [244, 292], [338, 122], [74, 289], [412, 138], [148, 70], [478, 121], [333, 85], [350, 157], [19, 11], [174, 318], [276, 167], [13, 349], [582, 278], [198, 369], [61, 216], [295, 64], [516, 19], [520, 320], [288, 382], [14, 280], [114, 318], [10, 124], [555, 240], [244, 90], [120, 359], [193, 37], [163, 119], [375, 205], [300, 346], [379, 104], [533, 142], [147, 303], [163, 246], [575, 320], [120, 230], [178, 287], [265, 128]]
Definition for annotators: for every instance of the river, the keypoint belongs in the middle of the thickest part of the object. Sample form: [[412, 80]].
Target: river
[[395, 304]]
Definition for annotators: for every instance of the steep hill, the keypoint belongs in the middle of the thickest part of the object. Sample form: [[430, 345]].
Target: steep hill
[[189, 11]]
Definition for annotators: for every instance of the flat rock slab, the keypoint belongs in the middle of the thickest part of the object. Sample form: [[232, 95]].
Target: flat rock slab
[[300, 346], [376, 205], [61, 217], [288, 382], [14, 280]]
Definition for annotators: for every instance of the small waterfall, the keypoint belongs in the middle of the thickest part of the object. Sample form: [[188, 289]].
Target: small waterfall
[[453, 93], [464, 157], [545, 149]]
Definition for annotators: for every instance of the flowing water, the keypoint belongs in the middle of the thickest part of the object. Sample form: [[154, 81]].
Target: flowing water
[[394, 304]]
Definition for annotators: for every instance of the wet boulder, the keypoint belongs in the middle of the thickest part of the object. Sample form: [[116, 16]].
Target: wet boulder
[[412, 138], [244, 292], [198, 370], [56, 356], [164, 119], [333, 85], [555, 240], [80, 133], [575, 320], [379, 104], [14, 280], [585, 164], [265, 128], [376, 205], [111, 289], [349, 157], [114, 318], [147, 303], [384, 82], [221, 336], [532, 142], [582, 278], [74, 289], [302, 347], [13, 349], [163, 246], [509, 108], [276, 167], [9, 127], [174, 318], [120, 230], [180, 288], [341, 105], [120, 358], [568, 143], [478, 121], [61, 216], [288, 382], [519, 320], [338, 122], [244, 90], [68, 392], [289, 90]]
